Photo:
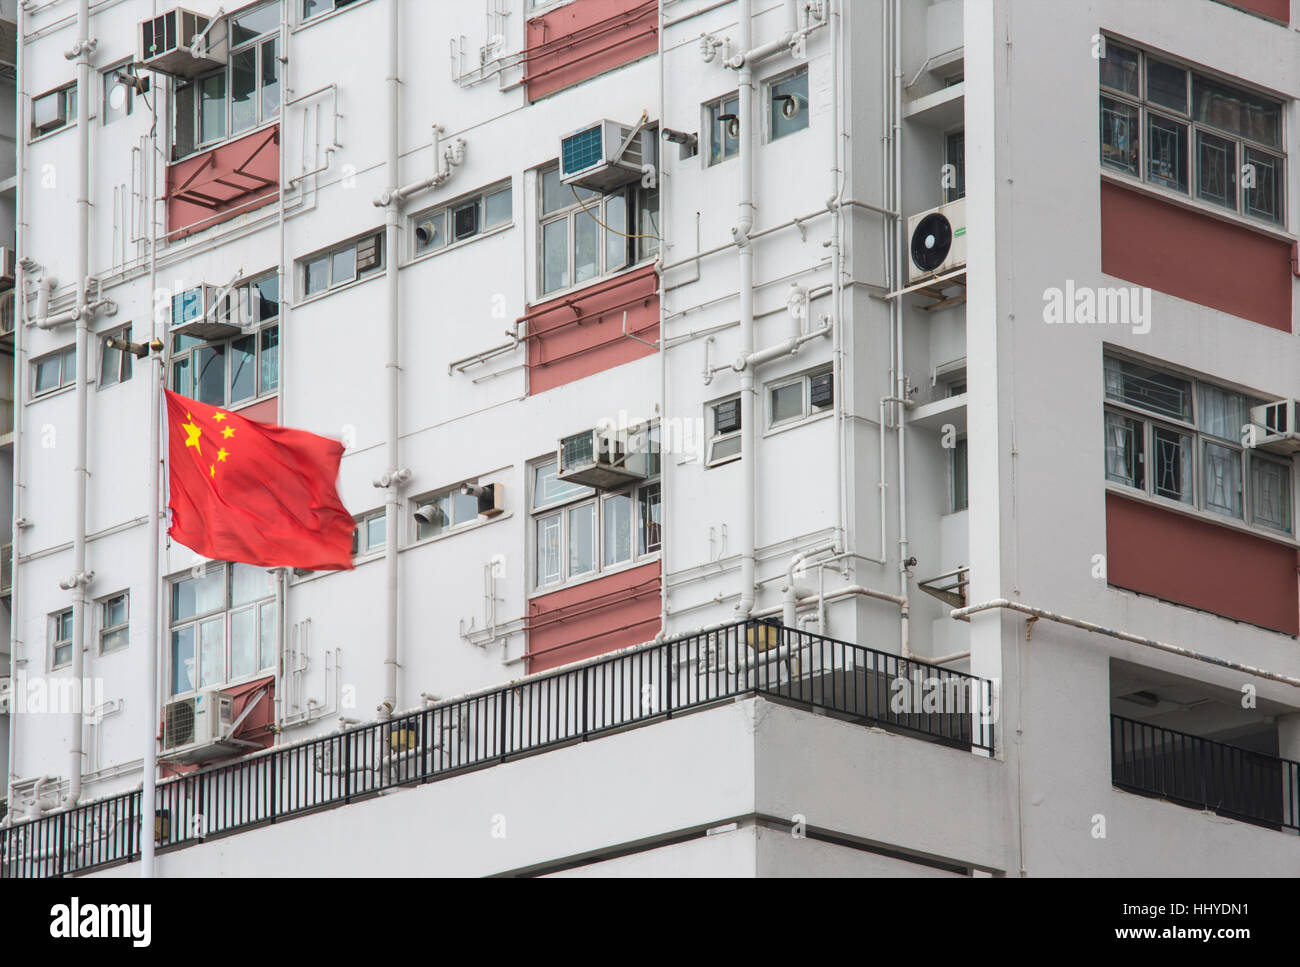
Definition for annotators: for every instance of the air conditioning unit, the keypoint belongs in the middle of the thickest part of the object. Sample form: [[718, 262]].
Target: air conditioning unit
[[937, 241], [49, 111], [168, 43], [1275, 427], [195, 727], [8, 268], [202, 312], [6, 570], [605, 459], [6, 694], [602, 156]]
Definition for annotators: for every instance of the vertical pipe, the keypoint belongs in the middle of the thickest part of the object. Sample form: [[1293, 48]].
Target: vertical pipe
[[745, 251], [80, 471], [20, 371], [900, 379], [665, 443], [158, 373], [286, 296], [391, 490], [837, 268]]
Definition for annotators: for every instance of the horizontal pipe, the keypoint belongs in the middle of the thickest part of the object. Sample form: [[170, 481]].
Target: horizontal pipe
[[1003, 603]]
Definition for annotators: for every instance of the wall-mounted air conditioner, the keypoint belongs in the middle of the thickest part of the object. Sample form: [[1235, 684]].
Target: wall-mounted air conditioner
[[194, 727], [605, 459], [203, 312], [6, 570], [601, 156], [49, 111], [175, 43], [937, 241], [1275, 427]]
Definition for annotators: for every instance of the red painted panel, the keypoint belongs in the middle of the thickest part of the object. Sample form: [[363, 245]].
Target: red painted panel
[[1279, 10], [600, 616], [1196, 257], [579, 335], [232, 178], [587, 37], [263, 411], [1197, 563]]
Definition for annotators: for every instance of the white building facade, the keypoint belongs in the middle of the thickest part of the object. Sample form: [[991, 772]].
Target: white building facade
[[674, 434]]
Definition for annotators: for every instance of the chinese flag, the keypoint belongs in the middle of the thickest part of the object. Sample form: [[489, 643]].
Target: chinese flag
[[253, 492]]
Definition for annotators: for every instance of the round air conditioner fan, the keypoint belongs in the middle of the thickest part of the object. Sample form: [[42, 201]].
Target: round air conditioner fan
[[931, 242]]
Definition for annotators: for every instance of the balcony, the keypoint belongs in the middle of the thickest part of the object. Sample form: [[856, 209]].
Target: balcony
[[603, 697], [1238, 783]]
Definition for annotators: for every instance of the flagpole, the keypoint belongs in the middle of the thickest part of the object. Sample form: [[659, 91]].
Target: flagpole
[[157, 373]]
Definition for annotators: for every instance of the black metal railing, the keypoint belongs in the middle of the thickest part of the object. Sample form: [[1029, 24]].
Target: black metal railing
[[1187, 769], [585, 701]]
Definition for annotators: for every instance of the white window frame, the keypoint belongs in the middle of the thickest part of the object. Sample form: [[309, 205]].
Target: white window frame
[[714, 438], [455, 523], [808, 412], [263, 118], [1197, 503], [446, 213], [958, 190], [109, 77], [102, 606], [225, 611], [67, 370], [639, 250], [71, 110], [331, 6], [1145, 108], [125, 360], [361, 546], [328, 254], [56, 642], [710, 110], [960, 455], [637, 492], [186, 349], [769, 107]]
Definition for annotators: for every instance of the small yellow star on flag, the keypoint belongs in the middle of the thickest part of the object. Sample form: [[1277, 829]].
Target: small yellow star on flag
[[213, 469], [218, 416], [221, 455], [227, 432]]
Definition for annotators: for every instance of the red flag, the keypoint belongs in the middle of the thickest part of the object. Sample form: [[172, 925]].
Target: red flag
[[254, 492]]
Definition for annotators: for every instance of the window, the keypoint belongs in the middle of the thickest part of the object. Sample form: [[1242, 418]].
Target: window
[[238, 97], [54, 110], [579, 531], [371, 533], [1180, 439], [227, 372], [349, 262], [787, 104], [54, 371], [61, 639], [223, 626], [447, 510], [955, 155], [724, 431], [723, 117], [958, 477], [119, 92], [114, 621], [314, 8], [1173, 127], [587, 235], [114, 363], [463, 218], [799, 398]]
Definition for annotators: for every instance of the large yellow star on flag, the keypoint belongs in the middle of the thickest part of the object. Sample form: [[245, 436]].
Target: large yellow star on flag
[[192, 434]]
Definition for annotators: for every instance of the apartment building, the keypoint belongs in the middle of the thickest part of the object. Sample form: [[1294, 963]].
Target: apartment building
[[808, 437]]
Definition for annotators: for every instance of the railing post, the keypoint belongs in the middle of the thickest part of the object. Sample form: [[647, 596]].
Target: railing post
[[586, 694], [347, 766]]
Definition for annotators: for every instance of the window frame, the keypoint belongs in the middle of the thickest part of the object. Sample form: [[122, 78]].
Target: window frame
[[71, 110], [109, 76], [713, 437], [125, 363], [67, 360], [455, 525], [959, 500], [334, 6], [1146, 108], [958, 161], [711, 110], [637, 251], [54, 622], [361, 546], [1197, 502], [447, 210], [639, 550], [808, 413], [769, 104], [303, 264], [105, 629], [226, 71], [225, 611], [185, 349]]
